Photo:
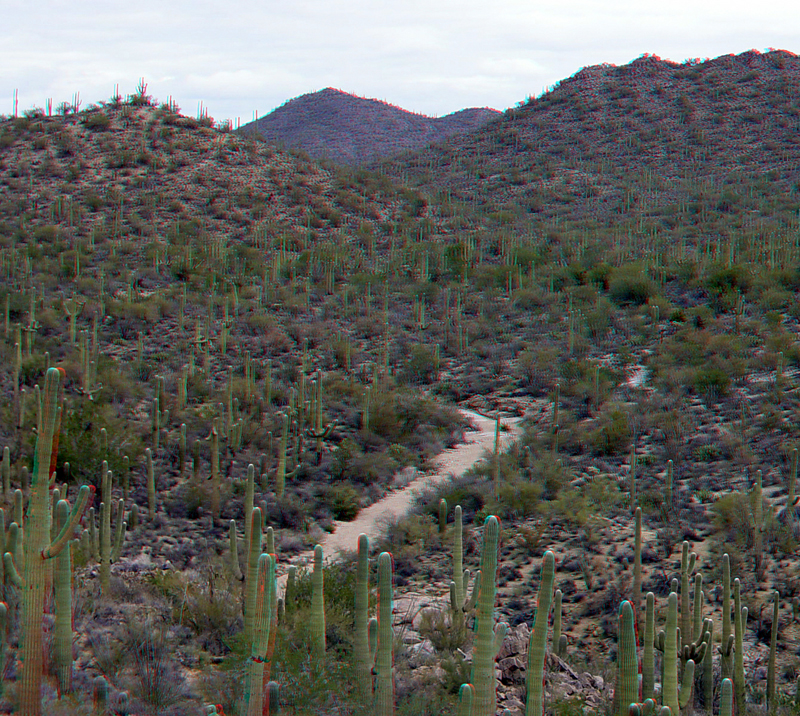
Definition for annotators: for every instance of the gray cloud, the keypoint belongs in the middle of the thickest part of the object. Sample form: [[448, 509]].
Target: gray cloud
[[429, 56]]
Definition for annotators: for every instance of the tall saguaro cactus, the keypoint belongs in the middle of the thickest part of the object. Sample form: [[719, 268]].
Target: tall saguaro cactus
[[38, 546], [361, 645], [627, 689], [538, 640], [487, 638], [318, 606], [384, 655]]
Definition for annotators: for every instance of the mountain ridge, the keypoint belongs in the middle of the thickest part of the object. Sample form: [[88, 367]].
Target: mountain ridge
[[348, 129]]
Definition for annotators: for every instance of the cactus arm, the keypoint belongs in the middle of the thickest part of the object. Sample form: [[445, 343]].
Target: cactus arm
[[557, 619], [119, 532], [500, 632], [685, 693], [11, 570], [66, 532], [708, 666], [233, 551], [442, 516], [476, 586], [739, 625], [726, 698], [466, 697]]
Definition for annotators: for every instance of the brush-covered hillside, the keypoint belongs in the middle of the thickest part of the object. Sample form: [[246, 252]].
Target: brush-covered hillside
[[216, 303], [347, 129], [671, 154]]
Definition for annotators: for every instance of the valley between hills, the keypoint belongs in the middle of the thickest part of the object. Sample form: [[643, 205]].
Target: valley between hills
[[612, 267]]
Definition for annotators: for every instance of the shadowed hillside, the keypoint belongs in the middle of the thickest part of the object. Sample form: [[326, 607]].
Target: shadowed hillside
[[335, 125], [652, 148]]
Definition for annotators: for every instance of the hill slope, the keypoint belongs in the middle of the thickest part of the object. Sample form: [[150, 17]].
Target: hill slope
[[652, 147], [331, 124]]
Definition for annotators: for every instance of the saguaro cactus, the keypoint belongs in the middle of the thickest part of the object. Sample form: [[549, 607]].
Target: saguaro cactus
[[38, 547], [627, 690], [63, 601], [318, 606], [384, 655], [361, 645], [461, 576], [487, 638], [538, 640], [261, 623]]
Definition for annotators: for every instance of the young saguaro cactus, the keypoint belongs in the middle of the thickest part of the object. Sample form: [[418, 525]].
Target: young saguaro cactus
[[38, 547], [461, 576]]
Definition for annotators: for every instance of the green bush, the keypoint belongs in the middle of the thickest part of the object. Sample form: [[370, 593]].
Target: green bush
[[630, 286], [711, 382], [344, 501], [612, 433]]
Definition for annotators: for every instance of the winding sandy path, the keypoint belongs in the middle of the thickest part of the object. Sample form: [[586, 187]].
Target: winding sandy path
[[374, 519]]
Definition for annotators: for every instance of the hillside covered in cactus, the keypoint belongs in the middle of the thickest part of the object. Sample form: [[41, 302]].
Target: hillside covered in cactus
[[234, 348]]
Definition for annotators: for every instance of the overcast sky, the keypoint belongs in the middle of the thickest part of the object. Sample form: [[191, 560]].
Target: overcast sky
[[427, 56]]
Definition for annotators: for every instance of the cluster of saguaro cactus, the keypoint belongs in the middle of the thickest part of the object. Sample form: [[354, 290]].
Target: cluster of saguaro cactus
[[38, 547], [460, 582]]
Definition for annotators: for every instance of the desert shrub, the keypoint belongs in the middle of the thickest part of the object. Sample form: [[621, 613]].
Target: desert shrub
[[535, 368], [712, 382], [344, 502], [611, 433], [630, 286], [421, 365], [80, 441], [97, 121]]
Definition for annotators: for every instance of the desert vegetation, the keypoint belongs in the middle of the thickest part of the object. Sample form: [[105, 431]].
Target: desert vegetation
[[213, 349]]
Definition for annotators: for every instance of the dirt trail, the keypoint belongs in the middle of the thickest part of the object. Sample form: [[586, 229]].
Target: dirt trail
[[374, 519]]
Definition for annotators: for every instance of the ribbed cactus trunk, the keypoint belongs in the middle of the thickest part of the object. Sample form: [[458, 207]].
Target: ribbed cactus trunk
[[628, 681], [483, 676], [361, 645], [466, 697], [38, 547], [318, 607], [670, 685], [261, 630], [63, 602], [36, 539], [384, 656], [538, 640], [648, 652]]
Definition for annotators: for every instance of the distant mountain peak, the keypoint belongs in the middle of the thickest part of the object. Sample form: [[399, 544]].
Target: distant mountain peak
[[337, 125]]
